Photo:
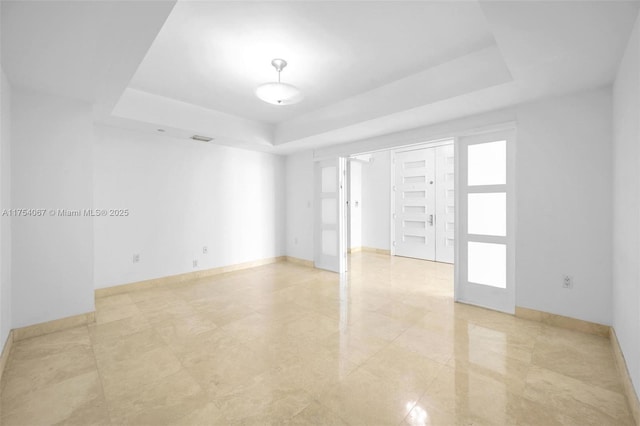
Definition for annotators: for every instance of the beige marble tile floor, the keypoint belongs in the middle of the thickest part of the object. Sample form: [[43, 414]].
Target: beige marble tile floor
[[285, 344]]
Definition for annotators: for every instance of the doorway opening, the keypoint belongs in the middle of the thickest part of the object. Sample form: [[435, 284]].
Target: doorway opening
[[393, 204], [401, 203]]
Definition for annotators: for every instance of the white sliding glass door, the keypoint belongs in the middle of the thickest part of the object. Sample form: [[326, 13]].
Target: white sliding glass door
[[486, 204]]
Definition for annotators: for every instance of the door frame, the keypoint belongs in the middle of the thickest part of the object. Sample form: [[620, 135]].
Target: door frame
[[392, 198], [460, 272]]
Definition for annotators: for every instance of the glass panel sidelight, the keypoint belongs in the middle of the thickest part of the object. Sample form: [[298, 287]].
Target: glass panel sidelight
[[487, 213], [487, 264], [329, 179], [329, 211], [487, 163], [330, 242]]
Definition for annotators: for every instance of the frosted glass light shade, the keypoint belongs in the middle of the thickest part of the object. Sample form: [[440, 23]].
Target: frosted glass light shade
[[279, 93]]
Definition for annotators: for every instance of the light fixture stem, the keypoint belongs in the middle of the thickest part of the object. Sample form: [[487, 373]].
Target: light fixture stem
[[279, 76]]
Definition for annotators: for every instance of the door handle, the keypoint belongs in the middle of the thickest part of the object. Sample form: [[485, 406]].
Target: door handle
[[430, 220]]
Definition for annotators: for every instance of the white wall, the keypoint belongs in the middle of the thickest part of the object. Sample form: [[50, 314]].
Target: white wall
[[51, 153], [626, 205], [299, 219], [564, 177], [563, 189], [182, 195], [376, 201], [355, 204], [5, 203]]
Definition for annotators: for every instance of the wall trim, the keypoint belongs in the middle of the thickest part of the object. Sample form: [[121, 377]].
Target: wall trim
[[188, 276], [376, 250], [621, 364], [563, 322], [53, 326], [6, 351], [298, 261]]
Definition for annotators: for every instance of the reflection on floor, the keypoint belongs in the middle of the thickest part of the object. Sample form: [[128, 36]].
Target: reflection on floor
[[286, 344]]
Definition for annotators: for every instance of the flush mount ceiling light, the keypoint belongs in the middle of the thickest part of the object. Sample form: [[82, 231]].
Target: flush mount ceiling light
[[279, 93]]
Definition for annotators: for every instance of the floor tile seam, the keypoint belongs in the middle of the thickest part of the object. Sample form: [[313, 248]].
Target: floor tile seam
[[402, 421], [134, 410], [138, 352], [104, 396], [591, 385], [218, 399], [411, 322], [33, 389], [577, 419], [309, 398], [433, 379], [440, 368], [11, 367], [306, 309], [155, 379], [318, 400], [368, 358], [7, 413], [50, 386]]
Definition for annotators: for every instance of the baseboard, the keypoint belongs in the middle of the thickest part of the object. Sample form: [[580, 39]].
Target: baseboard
[[6, 351], [375, 250], [354, 249], [629, 390], [53, 326], [298, 261], [563, 322], [188, 276]]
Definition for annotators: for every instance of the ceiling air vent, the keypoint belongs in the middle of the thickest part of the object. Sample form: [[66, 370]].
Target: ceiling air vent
[[201, 138]]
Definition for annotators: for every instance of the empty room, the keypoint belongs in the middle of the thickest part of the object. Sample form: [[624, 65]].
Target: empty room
[[319, 212]]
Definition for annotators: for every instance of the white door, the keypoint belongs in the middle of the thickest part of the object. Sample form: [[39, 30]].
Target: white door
[[330, 235], [445, 203], [414, 196], [486, 207]]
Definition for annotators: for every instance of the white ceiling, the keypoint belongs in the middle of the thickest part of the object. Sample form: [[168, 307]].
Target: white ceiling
[[215, 54], [75, 48], [366, 68]]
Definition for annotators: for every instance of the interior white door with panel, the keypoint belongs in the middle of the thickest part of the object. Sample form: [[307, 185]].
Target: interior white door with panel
[[414, 204], [485, 263], [330, 235]]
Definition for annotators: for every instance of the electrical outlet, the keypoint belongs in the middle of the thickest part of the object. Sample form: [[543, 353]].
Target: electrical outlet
[[136, 258], [195, 263], [205, 250], [567, 282]]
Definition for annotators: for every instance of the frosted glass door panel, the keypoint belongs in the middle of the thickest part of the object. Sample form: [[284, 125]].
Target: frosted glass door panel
[[488, 264], [487, 214], [330, 238], [329, 242], [329, 179], [329, 211], [487, 163]]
